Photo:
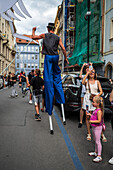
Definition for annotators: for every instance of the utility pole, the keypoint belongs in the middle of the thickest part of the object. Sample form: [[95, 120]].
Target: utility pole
[[88, 5]]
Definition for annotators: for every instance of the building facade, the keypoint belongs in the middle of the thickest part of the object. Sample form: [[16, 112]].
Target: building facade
[[27, 56], [108, 40], [7, 49], [41, 63], [65, 28]]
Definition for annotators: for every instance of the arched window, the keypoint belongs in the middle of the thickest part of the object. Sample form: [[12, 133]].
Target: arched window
[[109, 72]]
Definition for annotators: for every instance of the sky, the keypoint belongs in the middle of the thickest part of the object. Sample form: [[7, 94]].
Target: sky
[[41, 11]]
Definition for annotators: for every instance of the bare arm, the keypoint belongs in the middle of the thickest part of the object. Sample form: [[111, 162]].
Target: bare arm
[[81, 71], [84, 79], [100, 88], [37, 37], [63, 49]]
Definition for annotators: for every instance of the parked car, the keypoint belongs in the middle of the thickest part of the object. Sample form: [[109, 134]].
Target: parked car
[[71, 86], [1, 82]]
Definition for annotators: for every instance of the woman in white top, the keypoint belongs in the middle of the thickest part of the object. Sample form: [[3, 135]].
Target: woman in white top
[[95, 88]]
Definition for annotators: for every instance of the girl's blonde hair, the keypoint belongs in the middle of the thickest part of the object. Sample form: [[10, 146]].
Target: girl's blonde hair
[[100, 100]]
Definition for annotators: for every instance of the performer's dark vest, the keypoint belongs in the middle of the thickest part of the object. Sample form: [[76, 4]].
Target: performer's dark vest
[[50, 44]]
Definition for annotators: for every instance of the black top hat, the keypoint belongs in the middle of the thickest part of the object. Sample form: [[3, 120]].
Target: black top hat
[[51, 25]]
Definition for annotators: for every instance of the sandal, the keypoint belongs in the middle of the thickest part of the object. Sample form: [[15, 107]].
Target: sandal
[[104, 139], [42, 110], [89, 137]]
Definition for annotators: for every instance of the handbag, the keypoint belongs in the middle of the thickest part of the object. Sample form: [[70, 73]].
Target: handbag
[[92, 95], [103, 127]]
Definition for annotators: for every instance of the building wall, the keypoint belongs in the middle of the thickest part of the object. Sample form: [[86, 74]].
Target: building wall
[[28, 59], [41, 61], [7, 50], [108, 48], [61, 31]]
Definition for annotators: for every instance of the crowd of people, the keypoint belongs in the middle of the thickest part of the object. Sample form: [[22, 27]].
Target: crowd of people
[[92, 105], [92, 108], [91, 101]]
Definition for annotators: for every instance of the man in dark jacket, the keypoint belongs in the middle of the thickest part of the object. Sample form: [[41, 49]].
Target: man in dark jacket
[[37, 84]]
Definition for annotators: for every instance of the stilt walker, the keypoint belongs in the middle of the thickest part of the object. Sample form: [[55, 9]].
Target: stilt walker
[[52, 72]]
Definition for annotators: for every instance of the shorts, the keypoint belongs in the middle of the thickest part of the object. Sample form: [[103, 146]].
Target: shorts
[[37, 99], [83, 94]]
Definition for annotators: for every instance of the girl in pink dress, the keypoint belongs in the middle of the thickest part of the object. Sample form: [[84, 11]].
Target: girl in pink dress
[[96, 121]]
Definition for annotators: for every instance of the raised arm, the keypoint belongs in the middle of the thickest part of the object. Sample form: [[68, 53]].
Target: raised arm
[[81, 71], [64, 50], [37, 37], [84, 79]]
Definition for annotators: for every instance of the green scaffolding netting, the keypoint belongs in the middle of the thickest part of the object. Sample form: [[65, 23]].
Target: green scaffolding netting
[[80, 50]]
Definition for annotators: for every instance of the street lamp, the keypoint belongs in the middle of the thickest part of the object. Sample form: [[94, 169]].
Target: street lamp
[[87, 17]]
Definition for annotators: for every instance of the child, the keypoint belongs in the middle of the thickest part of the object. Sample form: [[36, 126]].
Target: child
[[36, 84], [96, 121]]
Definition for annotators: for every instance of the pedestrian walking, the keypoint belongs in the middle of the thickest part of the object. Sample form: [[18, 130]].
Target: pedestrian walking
[[23, 80], [36, 84], [13, 85], [52, 72], [9, 79], [30, 76], [92, 87], [96, 121]]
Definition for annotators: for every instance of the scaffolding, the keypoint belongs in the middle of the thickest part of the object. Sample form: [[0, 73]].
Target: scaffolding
[[80, 50], [69, 26]]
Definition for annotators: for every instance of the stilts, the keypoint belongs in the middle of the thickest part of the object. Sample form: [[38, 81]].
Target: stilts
[[64, 121], [51, 125]]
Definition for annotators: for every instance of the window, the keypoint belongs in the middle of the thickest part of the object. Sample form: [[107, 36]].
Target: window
[[21, 48], [25, 65], [21, 65], [32, 48], [28, 65], [32, 66], [32, 57], [28, 48], [111, 28], [36, 57], [36, 48], [36, 65], [17, 56], [25, 56], [21, 56], [17, 65], [28, 56]]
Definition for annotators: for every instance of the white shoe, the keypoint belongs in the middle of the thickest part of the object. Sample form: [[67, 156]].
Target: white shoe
[[111, 161], [30, 102], [97, 159], [92, 154]]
